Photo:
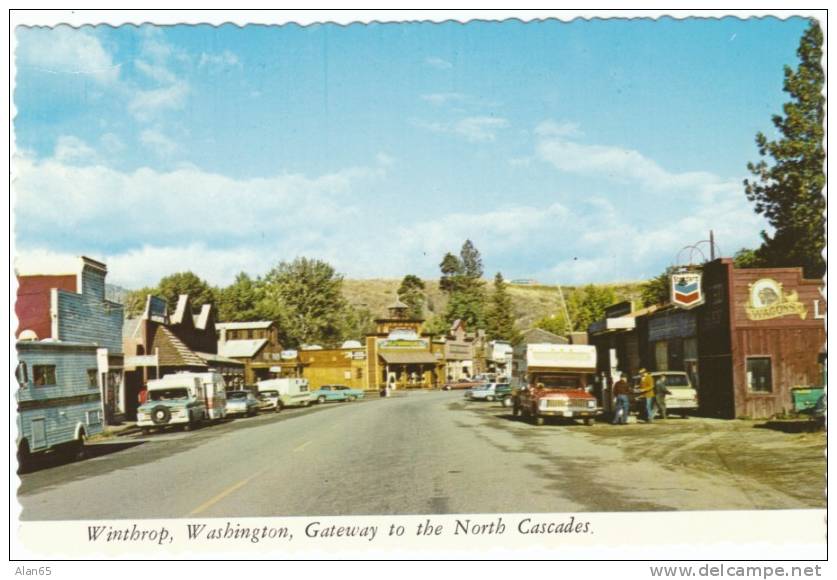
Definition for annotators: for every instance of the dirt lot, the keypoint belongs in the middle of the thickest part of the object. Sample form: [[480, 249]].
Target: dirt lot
[[756, 457]]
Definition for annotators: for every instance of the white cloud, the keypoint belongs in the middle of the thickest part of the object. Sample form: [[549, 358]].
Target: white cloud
[[444, 98], [72, 150], [66, 51], [145, 105], [550, 128], [158, 142], [219, 61], [438, 63], [617, 163], [473, 129]]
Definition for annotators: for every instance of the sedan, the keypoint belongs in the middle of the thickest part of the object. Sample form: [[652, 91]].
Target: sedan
[[487, 392], [242, 403], [335, 393]]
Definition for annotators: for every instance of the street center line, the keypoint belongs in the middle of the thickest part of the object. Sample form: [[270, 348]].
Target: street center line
[[302, 446], [210, 502]]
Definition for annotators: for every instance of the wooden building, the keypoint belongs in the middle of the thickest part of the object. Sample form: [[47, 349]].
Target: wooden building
[[64, 300], [758, 335], [329, 366], [256, 345]]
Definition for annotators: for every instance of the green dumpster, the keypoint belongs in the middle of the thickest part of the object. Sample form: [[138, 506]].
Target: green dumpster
[[805, 398]]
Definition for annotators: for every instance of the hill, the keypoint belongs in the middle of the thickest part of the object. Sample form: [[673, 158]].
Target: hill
[[530, 303]]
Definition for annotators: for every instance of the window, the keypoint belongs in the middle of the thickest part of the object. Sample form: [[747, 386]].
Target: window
[[92, 378], [22, 374], [43, 375], [759, 374], [360, 372]]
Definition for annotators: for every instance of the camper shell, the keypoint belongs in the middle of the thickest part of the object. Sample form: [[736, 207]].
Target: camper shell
[[185, 398], [559, 380], [286, 392], [59, 401]]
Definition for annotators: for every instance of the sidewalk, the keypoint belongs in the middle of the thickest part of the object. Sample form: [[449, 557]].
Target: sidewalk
[[124, 428]]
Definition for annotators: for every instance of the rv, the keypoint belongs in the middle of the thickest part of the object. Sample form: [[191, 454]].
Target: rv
[[287, 392], [185, 399], [59, 402], [559, 383]]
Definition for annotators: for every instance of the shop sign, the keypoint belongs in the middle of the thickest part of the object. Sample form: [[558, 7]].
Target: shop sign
[[403, 343], [768, 300], [686, 290]]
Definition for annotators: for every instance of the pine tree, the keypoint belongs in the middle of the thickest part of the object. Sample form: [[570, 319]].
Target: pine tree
[[499, 320], [788, 192], [411, 293], [462, 280]]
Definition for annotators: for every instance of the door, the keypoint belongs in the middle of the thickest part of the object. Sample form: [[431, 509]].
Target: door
[[39, 436]]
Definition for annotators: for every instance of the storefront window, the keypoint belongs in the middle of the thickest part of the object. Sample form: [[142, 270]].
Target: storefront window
[[759, 374]]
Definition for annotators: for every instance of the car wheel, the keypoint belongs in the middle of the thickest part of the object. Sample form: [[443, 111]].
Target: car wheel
[[490, 398], [352, 398], [537, 420], [78, 451], [588, 420], [507, 402], [321, 399]]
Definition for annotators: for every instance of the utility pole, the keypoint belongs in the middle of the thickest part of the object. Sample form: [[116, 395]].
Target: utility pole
[[711, 245], [566, 310]]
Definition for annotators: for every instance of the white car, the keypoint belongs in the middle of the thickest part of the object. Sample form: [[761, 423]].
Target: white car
[[486, 392], [683, 396]]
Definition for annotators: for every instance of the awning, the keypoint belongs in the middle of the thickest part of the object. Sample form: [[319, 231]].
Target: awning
[[408, 358]]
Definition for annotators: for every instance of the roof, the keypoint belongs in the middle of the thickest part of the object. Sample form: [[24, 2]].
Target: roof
[[257, 324], [540, 336], [180, 310], [408, 357], [217, 358], [173, 353], [202, 319], [130, 327], [241, 348]]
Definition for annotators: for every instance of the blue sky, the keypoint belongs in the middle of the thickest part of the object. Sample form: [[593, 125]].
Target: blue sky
[[589, 151]]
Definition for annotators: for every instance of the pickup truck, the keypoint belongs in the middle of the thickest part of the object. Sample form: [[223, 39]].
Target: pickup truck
[[558, 379]]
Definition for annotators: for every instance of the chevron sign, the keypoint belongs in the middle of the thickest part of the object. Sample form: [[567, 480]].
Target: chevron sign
[[685, 290]]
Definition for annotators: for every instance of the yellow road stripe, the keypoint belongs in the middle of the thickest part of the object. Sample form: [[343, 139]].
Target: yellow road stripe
[[302, 446], [209, 503]]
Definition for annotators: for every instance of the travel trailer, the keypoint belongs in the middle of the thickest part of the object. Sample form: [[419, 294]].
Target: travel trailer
[[59, 401], [287, 392]]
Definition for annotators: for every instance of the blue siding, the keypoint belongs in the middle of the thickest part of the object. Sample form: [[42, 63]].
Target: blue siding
[[88, 317], [71, 366]]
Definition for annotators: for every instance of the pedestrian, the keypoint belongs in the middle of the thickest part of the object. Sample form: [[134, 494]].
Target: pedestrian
[[646, 391], [622, 392], [660, 392]]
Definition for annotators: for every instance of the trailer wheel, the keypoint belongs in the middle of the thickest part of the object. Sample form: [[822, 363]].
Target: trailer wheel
[[78, 450], [24, 456]]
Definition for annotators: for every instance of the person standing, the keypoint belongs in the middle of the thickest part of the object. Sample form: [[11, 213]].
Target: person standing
[[622, 392], [660, 392], [646, 391]]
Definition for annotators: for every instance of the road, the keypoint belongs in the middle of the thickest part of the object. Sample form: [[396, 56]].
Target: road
[[426, 453]]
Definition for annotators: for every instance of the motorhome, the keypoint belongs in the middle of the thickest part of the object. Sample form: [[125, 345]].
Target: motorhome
[[559, 383], [59, 401], [286, 392], [186, 399]]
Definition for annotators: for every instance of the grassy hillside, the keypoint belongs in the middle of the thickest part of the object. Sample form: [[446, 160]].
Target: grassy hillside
[[530, 302]]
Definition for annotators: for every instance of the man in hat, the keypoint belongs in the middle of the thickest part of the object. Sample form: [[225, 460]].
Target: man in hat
[[646, 391]]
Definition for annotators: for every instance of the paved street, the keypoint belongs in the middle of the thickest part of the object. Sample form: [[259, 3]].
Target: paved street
[[428, 452]]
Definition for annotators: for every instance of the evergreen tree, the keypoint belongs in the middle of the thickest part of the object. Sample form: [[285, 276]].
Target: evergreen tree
[[585, 305], [499, 320], [788, 191], [462, 280], [657, 290], [411, 293]]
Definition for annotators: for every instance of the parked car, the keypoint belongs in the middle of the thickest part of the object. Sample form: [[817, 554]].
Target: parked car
[[269, 400], [336, 393], [185, 399], [503, 393], [487, 392], [683, 397], [242, 403], [462, 384]]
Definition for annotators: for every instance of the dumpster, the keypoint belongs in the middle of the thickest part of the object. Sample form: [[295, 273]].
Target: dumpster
[[805, 398]]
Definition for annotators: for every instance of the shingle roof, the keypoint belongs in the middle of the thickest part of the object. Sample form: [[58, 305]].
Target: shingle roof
[[209, 357], [173, 353], [241, 348], [257, 324], [539, 335]]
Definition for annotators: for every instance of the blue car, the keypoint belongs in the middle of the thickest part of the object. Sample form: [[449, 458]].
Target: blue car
[[336, 393]]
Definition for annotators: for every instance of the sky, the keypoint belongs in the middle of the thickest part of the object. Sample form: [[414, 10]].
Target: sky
[[580, 152]]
